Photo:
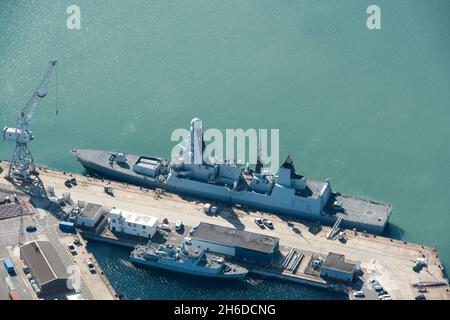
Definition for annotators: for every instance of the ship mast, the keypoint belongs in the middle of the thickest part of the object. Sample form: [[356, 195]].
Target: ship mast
[[259, 164]]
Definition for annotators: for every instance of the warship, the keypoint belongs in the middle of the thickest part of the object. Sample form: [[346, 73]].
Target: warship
[[186, 259], [284, 193]]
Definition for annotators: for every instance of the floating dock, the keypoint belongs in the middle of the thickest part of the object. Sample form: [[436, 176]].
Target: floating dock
[[387, 260]]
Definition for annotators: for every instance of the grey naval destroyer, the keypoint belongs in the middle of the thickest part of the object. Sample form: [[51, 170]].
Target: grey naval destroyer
[[283, 193], [186, 259]]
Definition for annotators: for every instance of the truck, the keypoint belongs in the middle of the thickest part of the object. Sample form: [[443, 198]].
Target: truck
[[9, 266], [66, 226]]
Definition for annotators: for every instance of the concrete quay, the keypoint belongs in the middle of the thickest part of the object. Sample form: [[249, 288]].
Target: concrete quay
[[92, 286], [389, 261]]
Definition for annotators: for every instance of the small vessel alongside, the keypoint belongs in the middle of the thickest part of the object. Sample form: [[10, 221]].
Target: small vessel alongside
[[186, 259]]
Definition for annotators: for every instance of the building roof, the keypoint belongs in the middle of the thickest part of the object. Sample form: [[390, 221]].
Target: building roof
[[235, 238], [337, 262], [42, 259], [137, 218], [90, 210]]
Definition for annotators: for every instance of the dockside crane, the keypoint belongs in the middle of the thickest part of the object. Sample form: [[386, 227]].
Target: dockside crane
[[22, 164]]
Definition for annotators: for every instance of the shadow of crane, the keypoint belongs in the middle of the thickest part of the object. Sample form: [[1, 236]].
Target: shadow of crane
[[33, 187]]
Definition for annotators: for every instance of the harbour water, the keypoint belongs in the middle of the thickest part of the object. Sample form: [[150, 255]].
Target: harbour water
[[152, 283], [368, 109]]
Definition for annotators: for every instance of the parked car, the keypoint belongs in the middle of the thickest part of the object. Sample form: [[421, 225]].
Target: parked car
[[259, 222], [378, 288], [25, 270], [68, 184], [72, 248], [421, 297], [358, 294], [179, 225], [31, 228], [193, 229], [371, 281], [268, 223], [165, 227], [214, 210], [207, 207], [382, 292], [109, 191], [91, 267]]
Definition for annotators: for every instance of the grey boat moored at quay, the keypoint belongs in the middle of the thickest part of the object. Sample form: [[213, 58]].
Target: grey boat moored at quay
[[284, 193], [186, 259]]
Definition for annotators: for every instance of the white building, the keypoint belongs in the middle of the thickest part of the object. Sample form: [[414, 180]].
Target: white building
[[132, 223]]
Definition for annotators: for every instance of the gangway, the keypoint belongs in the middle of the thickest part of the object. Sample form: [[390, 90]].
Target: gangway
[[287, 259], [335, 228], [298, 259]]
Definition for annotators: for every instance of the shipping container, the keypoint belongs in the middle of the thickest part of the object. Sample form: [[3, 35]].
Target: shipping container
[[14, 295], [9, 266], [66, 226]]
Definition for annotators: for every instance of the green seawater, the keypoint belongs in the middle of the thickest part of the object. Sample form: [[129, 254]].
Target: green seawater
[[368, 109]]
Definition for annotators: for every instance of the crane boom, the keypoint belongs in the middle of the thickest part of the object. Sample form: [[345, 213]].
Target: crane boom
[[26, 114], [22, 164]]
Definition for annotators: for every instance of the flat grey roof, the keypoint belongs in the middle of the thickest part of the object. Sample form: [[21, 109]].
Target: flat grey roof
[[90, 210], [42, 259], [365, 211], [337, 262], [235, 238]]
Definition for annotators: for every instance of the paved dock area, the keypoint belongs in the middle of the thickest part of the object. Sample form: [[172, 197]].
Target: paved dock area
[[389, 261], [93, 286]]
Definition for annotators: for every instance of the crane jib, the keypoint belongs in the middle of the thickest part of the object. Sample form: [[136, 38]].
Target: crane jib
[[22, 164]]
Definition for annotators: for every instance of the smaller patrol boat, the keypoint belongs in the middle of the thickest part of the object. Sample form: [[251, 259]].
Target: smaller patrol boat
[[186, 259]]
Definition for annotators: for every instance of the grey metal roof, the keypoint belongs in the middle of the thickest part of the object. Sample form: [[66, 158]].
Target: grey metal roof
[[235, 238], [337, 262], [90, 210], [42, 259]]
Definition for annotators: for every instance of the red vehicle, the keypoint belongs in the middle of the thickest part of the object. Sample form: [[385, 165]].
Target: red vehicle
[[14, 295]]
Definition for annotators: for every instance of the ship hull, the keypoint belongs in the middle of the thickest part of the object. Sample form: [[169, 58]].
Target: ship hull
[[181, 269], [96, 161]]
